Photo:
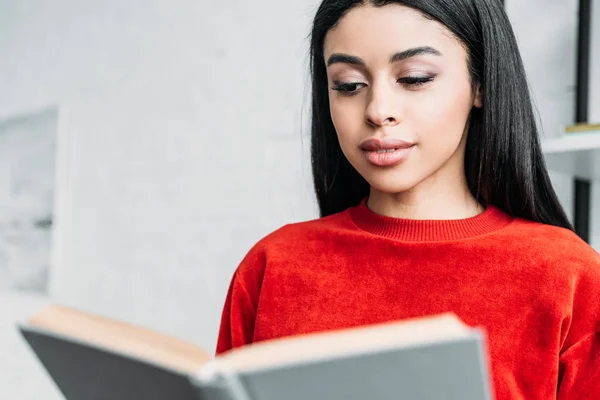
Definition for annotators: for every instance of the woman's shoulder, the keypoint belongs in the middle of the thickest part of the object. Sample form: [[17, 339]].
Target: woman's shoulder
[[294, 237], [302, 232], [556, 245], [545, 233]]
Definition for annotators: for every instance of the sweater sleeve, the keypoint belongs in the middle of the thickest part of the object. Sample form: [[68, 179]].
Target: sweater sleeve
[[579, 370], [237, 319], [239, 311], [579, 359]]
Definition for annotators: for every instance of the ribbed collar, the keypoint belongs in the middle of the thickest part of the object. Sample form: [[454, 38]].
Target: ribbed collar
[[412, 230]]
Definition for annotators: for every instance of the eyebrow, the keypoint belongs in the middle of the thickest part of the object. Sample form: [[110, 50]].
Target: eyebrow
[[403, 55]]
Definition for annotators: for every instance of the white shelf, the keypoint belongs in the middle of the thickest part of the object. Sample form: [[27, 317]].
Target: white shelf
[[576, 154]]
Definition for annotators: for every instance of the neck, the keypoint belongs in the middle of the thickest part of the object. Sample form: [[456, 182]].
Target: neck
[[427, 201]]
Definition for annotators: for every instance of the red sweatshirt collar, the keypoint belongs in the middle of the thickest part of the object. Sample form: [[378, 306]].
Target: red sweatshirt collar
[[411, 230]]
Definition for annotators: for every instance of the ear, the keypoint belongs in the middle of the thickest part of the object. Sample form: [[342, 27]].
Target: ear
[[478, 99]]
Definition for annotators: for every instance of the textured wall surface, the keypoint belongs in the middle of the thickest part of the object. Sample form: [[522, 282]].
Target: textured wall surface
[[185, 142]]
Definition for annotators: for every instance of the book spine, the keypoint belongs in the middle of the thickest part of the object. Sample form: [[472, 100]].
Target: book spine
[[220, 386]]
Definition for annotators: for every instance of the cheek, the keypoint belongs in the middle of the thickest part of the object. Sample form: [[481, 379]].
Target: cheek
[[347, 120], [440, 122]]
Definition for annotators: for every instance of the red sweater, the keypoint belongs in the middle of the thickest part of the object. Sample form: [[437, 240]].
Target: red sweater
[[534, 288]]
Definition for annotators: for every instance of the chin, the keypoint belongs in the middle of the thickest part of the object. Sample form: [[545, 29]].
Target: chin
[[391, 184]]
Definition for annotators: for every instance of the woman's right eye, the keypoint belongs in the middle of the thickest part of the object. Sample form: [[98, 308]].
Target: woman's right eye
[[347, 89]]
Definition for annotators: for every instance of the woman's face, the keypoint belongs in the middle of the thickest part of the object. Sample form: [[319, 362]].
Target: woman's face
[[399, 83]]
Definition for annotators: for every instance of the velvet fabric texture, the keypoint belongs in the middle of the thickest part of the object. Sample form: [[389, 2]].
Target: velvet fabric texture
[[534, 288]]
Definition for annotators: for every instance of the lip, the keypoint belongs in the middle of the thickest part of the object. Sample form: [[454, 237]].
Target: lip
[[374, 144], [401, 151]]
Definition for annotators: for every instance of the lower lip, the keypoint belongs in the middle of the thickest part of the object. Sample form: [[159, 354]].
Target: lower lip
[[388, 159]]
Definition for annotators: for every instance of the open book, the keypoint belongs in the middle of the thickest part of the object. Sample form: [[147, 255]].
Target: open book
[[91, 357]]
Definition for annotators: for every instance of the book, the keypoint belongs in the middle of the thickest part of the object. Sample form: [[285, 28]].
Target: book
[[90, 357], [582, 128]]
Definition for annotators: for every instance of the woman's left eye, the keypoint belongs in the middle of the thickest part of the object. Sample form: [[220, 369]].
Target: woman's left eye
[[415, 80], [347, 89]]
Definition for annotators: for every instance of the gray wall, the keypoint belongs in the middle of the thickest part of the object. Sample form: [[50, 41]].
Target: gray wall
[[183, 141], [184, 144]]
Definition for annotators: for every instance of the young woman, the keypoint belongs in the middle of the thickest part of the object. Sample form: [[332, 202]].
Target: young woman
[[434, 197]]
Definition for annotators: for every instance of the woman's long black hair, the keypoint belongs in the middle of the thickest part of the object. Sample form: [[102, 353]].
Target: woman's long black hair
[[504, 164]]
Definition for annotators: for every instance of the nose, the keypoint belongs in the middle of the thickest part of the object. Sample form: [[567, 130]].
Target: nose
[[382, 110]]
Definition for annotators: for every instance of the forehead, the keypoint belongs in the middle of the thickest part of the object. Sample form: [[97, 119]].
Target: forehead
[[374, 32]]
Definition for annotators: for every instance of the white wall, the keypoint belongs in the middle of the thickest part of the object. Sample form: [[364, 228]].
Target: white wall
[[185, 119]]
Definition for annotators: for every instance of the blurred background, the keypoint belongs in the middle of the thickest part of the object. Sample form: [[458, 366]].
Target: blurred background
[[145, 146]]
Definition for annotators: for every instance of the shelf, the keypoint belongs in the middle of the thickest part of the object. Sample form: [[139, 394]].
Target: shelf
[[577, 154]]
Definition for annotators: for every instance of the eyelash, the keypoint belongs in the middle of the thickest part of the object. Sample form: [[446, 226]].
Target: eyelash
[[412, 81]]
